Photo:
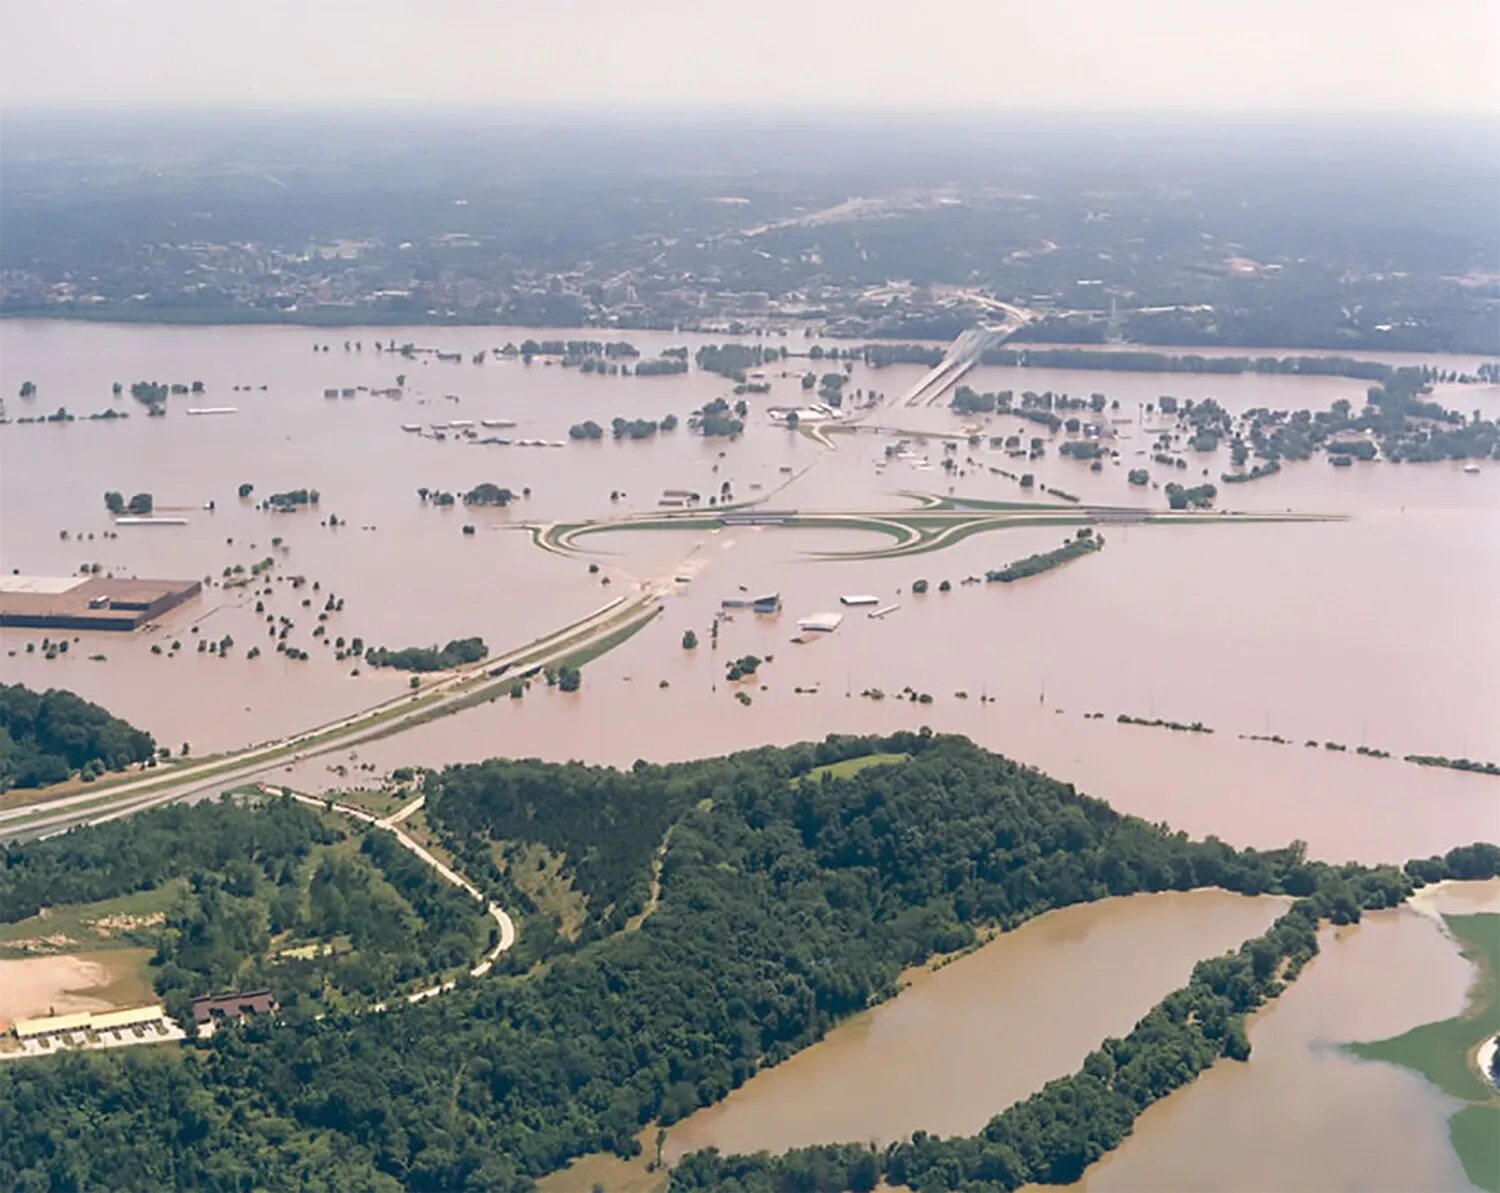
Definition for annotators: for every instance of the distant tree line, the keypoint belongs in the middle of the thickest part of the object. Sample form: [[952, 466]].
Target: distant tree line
[[611, 350], [1123, 360]]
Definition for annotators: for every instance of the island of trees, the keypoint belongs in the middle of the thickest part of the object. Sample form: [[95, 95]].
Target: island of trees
[[733, 360], [1085, 542], [623, 428], [487, 493], [429, 658], [292, 499], [1195, 498], [718, 419], [139, 505], [1269, 468]]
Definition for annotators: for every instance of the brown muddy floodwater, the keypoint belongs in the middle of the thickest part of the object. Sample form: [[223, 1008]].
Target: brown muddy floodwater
[[1376, 630], [963, 1042], [1304, 1116]]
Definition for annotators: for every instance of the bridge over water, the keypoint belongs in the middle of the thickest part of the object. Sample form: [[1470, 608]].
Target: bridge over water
[[965, 352]]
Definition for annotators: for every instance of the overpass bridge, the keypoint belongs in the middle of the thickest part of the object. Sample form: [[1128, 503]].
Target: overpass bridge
[[965, 352]]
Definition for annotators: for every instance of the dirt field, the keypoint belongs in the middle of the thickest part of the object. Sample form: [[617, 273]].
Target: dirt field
[[80, 982]]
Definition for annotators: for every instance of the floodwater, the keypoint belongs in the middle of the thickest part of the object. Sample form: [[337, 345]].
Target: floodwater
[[1302, 1114], [963, 1042], [1376, 630]]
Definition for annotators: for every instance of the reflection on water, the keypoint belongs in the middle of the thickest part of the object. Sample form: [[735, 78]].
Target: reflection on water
[[967, 1040]]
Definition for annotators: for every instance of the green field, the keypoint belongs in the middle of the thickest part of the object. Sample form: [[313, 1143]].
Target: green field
[[110, 923], [1443, 1052], [1475, 1132], [851, 766], [1440, 1051]]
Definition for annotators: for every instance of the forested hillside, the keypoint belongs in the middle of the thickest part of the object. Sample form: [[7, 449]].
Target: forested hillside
[[144, 851], [604, 824], [47, 736], [784, 907], [264, 894]]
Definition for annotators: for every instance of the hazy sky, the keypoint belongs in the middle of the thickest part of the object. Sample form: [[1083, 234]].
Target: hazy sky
[[1359, 55]]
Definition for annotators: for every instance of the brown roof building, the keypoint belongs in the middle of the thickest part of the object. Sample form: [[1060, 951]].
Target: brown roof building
[[88, 603], [216, 1008]]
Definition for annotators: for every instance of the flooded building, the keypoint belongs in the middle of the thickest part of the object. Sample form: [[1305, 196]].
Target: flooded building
[[769, 602], [88, 602]]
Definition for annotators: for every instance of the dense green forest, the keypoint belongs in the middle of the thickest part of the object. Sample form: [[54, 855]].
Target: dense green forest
[[784, 907], [47, 736], [141, 852], [605, 824]]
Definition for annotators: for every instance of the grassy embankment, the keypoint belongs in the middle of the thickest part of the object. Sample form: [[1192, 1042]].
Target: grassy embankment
[[108, 924], [1444, 1052]]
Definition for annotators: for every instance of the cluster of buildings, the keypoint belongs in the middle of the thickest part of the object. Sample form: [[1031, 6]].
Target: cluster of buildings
[[80, 1025], [135, 1025], [633, 283]]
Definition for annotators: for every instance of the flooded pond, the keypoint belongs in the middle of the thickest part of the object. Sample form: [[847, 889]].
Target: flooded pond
[[962, 1042], [1303, 1114]]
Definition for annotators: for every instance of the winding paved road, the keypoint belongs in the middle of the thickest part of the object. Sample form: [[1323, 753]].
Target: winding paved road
[[389, 824]]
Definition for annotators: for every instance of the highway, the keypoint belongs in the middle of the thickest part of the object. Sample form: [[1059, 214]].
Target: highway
[[454, 689], [965, 352]]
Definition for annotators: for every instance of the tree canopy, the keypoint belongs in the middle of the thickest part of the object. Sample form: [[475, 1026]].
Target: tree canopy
[[47, 736], [783, 908]]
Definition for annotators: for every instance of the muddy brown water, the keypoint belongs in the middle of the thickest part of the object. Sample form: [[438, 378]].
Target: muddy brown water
[[1372, 630], [1378, 629], [962, 1042], [1303, 1115]]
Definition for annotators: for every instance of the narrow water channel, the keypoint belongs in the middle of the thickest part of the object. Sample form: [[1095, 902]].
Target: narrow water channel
[[963, 1042]]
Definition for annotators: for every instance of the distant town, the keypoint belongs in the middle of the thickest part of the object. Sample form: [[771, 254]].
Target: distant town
[[404, 230]]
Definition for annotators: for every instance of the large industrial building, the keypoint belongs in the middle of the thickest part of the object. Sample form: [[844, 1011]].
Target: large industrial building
[[88, 602]]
